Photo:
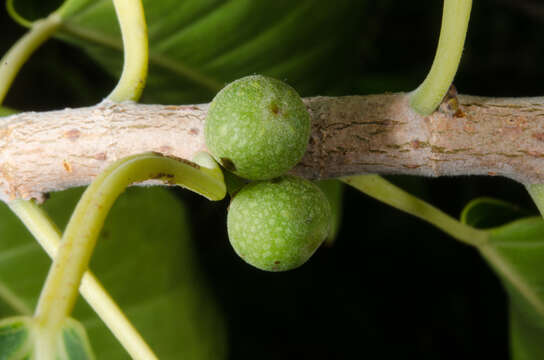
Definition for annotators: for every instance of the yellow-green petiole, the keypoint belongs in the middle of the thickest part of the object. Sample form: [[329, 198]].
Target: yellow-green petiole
[[426, 98], [60, 291], [130, 14]]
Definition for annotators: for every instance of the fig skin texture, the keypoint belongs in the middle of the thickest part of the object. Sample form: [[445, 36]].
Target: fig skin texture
[[277, 225], [257, 127]]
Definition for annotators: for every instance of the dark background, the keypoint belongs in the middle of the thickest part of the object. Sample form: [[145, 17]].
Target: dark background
[[391, 286]]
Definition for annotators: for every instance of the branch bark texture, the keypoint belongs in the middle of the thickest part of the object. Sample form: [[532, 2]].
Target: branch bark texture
[[468, 135]]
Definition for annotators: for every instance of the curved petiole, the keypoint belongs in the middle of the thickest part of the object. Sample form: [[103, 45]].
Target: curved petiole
[[14, 59], [60, 291], [66, 9], [382, 190], [39, 32], [48, 235], [134, 32], [427, 97], [10, 7]]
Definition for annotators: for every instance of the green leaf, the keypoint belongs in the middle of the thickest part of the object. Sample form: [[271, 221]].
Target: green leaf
[[18, 336], [15, 338], [144, 258], [75, 342], [517, 254], [526, 336], [485, 212], [197, 46]]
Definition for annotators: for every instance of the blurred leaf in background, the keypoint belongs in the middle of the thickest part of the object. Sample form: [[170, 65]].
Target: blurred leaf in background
[[518, 243], [197, 46]]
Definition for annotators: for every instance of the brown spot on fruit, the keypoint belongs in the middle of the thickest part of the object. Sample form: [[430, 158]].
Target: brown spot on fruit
[[194, 131], [274, 108], [276, 262]]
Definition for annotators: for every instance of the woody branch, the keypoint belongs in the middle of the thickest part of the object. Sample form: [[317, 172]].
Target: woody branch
[[467, 135]]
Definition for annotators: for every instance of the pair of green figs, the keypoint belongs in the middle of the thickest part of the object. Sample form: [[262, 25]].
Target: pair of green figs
[[258, 128]]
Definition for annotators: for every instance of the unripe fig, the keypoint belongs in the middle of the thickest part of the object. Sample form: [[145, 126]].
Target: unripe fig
[[258, 127], [277, 225]]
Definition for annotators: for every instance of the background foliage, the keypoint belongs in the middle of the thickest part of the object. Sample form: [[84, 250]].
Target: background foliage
[[391, 286]]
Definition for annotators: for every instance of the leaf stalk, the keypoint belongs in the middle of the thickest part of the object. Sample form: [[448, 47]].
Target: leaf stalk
[[426, 98]]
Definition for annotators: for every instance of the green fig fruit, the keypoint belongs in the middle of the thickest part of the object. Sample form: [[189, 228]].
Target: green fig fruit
[[257, 127], [277, 225]]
